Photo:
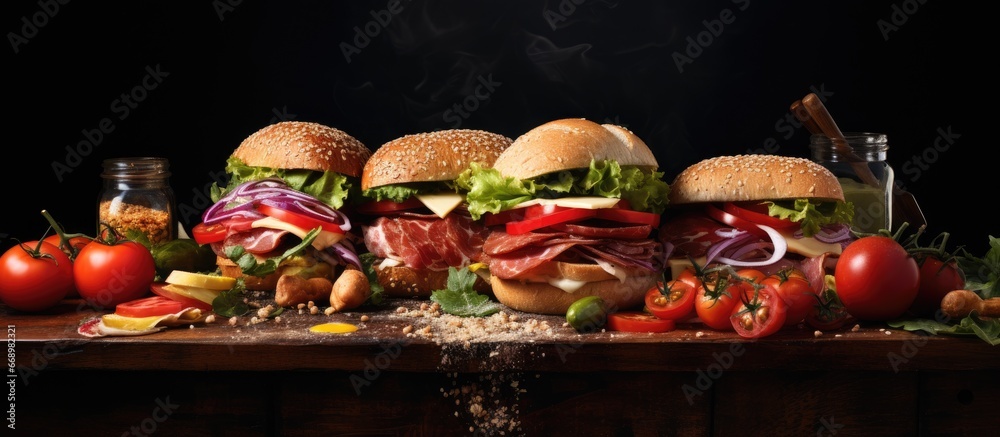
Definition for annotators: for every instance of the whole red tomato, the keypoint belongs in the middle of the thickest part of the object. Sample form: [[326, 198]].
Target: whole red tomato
[[794, 289], [34, 277], [75, 244], [937, 278], [109, 272], [876, 278]]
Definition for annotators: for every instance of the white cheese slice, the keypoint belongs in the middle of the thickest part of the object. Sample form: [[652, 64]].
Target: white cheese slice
[[441, 203], [116, 325], [678, 265], [809, 247], [389, 262], [567, 285], [583, 202], [324, 240]]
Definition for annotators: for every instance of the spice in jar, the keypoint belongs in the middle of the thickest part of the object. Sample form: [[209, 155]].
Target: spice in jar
[[137, 197]]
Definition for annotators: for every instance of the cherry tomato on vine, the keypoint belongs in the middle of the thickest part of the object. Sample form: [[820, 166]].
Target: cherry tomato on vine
[[876, 278], [827, 312], [110, 271], [717, 298], [34, 276], [794, 289], [760, 314], [672, 300], [937, 278]]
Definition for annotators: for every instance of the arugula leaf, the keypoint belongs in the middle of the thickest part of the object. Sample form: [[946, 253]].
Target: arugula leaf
[[982, 275], [248, 263], [230, 303], [986, 329], [368, 267], [402, 192], [460, 298]]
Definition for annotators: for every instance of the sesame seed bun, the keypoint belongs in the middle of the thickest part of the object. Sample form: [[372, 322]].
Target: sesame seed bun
[[304, 145], [431, 156], [754, 177], [542, 298], [572, 143]]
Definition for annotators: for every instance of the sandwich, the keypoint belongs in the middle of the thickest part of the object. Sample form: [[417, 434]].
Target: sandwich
[[281, 211], [765, 212], [572, 206], [417, 224]]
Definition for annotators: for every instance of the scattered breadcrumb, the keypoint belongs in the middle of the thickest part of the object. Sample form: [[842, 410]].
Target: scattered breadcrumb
[[210, 319], [365, 318], [817, 333]]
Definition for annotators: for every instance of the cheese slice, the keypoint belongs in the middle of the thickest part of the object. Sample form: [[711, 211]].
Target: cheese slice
[[678, 265], [809, 247], [116, 325], [567, 285], [441, 203], [583, 202], [324, 240]]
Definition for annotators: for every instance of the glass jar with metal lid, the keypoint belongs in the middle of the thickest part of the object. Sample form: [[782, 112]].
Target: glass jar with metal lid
[[864, 174], [137, 196]]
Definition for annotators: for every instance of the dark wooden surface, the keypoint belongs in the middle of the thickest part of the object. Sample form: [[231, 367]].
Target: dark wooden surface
[[280, 379]]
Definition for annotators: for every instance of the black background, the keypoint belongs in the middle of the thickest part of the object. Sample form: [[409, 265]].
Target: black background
[[232, 69]]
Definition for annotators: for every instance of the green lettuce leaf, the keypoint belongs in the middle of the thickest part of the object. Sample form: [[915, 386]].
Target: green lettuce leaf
[[812, 216], [460, 298], [986, 329], [982, 275], [329, 187], [402, 192], [488, 191]]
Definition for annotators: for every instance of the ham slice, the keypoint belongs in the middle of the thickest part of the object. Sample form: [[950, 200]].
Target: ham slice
[[425, 241]]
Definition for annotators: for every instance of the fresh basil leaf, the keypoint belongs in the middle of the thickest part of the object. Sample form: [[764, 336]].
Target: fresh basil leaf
[[460, 298], [982, 275], [230, 303], [368, 260]]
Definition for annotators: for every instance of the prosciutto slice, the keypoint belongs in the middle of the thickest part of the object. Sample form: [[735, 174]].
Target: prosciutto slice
[[515, 256], [425, 241]]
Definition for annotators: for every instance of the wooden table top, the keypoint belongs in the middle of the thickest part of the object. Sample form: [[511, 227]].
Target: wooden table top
[[443, 343]]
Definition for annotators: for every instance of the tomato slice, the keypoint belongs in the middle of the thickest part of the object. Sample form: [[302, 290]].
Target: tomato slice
[[672, 300], [301, 220], [735, 221], [561, 216], [205, 233], [386, 206], [148, 307], [503, 217], [639, 321], [162, 289], [745, 212], [629, 216]]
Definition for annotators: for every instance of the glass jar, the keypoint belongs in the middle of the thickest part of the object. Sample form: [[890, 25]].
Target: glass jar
[[137, 196], [867, 179]]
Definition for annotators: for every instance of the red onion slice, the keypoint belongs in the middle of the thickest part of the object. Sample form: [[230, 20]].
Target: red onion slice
[[780, 248]]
